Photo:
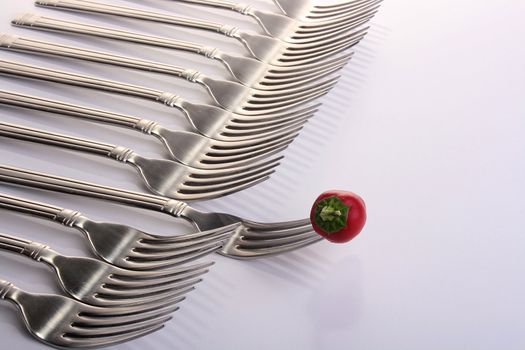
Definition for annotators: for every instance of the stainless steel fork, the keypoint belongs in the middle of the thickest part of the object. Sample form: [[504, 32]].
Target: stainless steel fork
[[186, 147], [125, 246], [98, 283], [289, 29], [264, 48], [248, 71], [251, 239], [62, 322], [230, 95], [210, 121], [165, 177]]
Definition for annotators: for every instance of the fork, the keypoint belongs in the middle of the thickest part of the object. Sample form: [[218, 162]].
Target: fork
[[164, 177], [248, 71], [62, 322], [124, 246], [264, 48], [288, 29], [210, 121], [185, 147], [95, 282], [251, 239], [230, 95], [307, 10]]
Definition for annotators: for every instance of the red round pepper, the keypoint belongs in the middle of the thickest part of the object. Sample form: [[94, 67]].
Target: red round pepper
[[338, 216]]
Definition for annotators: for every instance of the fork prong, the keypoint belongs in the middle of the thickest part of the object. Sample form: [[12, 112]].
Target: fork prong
[[291, 94], [222, 176], [223, 192], [221, 161], [276, 226], [306, 69], [241, 253], [174, 251], [89, 330], [227, 135], [91, 342], [246, 243], [190, 237], [321, 45], [154, 290], [340, 29], [174, 261], [343, 12], [206, 191], [110, 316]]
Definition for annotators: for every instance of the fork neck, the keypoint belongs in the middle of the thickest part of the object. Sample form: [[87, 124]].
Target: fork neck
[[7, 290]]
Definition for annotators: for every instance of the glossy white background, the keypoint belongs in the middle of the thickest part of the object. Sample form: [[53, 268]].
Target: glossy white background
[[427, 124]]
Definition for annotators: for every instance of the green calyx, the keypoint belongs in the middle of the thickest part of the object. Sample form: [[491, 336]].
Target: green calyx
[[331, 214]]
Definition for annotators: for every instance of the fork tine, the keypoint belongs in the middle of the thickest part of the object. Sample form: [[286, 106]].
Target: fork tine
[[336, 30], [175, 260], [228, 135], [245, 243], [314, 95], [222, 161], [294, 93], [80, 342], [110, 316], [270, 84], [241, 253], [220, 175], [88, 330], [140, 291], [240, 129], [284, 225], [285, 116], [170, 252], [223, 192], [190, 237], [306, 69], [319, 56], [201, 189]]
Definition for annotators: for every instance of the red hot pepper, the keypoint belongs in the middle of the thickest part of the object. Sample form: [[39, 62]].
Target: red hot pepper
[[338, 216]]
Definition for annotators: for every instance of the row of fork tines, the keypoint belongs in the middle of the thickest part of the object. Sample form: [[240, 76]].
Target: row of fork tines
[[256, 112]]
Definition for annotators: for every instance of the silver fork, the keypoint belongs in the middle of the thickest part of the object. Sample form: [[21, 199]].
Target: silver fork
[[310, 11], [248, 71], [290, 30], [186, 147], [125, 246], [98, 283], [210, 121], [251, 239], [264, 48], [62, 322], [164, 177], [227, 94]]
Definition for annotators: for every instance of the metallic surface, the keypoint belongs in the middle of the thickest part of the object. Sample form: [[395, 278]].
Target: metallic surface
[[251, 239], [186, 147], [165, 177]]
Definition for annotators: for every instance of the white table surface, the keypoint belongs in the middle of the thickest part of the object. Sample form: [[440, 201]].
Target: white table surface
[[427, 124]]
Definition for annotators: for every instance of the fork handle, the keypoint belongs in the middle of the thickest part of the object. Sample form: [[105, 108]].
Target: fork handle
[[63, 216], [16, 43], [52, 139], [34, 72], [94, 7], [60, 184], [51, 106], [32, 21], [14, 244], [222, 4]]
